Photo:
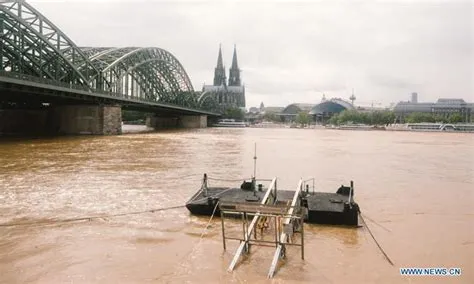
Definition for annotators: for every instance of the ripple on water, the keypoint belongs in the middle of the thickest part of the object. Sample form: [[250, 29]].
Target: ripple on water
[[414, 184]]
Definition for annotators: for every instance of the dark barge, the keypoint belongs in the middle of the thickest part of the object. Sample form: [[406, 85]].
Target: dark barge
[[337, 208]]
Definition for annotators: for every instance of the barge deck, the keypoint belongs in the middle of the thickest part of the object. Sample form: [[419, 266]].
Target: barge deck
[[337, 208]]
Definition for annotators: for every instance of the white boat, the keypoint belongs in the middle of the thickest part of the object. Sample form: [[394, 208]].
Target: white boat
[[465, 127], [360, 127], [425, 126], [267, 124], [433, 127], [230, 123]]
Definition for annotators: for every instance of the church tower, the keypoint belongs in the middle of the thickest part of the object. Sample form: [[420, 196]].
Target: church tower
[[234, 72], [219, 71]]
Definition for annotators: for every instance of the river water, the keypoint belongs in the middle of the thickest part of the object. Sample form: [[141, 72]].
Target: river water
[[417, 187]]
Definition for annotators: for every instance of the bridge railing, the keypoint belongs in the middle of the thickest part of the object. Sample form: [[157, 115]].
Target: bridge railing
[[43, 80], [71, 86]]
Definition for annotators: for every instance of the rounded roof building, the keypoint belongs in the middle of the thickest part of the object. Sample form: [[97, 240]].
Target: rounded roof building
[[331, 106], [297, 108]]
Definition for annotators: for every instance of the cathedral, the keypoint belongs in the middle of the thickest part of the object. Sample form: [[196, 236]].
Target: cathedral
[[229, 94]]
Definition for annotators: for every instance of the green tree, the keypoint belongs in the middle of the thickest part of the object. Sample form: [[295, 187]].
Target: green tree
[[418, 117], [354, 116], [303, 118], [388, 117], [455, 118], [234, 113], [334, 120], [272, 117]]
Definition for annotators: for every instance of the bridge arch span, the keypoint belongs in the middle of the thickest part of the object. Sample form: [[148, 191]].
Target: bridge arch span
[[33, 45], [149, 73], [208, 100]]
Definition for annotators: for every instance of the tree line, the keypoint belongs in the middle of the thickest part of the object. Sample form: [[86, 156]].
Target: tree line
[[388, 117], [373, 118], [431, 117], [346, 116]]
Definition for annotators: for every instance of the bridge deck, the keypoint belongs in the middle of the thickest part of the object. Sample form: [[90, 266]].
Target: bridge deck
[[35, 86]]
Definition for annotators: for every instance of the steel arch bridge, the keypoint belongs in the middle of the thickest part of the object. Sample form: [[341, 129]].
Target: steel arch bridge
[[33, 48]]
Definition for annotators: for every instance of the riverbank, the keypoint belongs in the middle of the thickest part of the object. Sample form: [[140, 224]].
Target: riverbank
[[410, 127], [134, 129]]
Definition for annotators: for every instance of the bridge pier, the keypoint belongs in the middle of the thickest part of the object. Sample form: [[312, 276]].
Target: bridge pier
[[57, 120], [158, 122], [193, 121], [86, 119], [183, 121]]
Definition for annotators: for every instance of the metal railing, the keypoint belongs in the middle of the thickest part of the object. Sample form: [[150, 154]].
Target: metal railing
[[248, 230], [285, 236], [306, 184], [287, 219]]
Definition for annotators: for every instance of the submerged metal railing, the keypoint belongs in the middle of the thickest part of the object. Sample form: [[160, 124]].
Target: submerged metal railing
[[288, 222], [286, 219], [270, 196]]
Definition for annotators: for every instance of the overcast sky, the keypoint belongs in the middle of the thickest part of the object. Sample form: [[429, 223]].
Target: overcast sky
[[293, 51]]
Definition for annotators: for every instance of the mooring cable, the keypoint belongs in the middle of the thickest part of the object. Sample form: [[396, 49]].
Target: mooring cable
[[186, 176], [378, 224], [209, 222], [204, 231], [214, 195], [87, 218], [90, 218], [375, 240]]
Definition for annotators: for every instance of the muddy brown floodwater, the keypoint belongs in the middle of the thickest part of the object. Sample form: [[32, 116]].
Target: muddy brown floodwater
[[417, 186]]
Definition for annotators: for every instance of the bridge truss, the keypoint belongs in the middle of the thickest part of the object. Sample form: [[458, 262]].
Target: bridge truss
[[31, 45]]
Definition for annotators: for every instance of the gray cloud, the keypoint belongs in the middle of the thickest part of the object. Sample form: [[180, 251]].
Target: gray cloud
[[293, 51], [392, 83]]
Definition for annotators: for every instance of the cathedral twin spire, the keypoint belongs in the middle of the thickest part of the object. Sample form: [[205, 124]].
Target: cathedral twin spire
[[234, 72]]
